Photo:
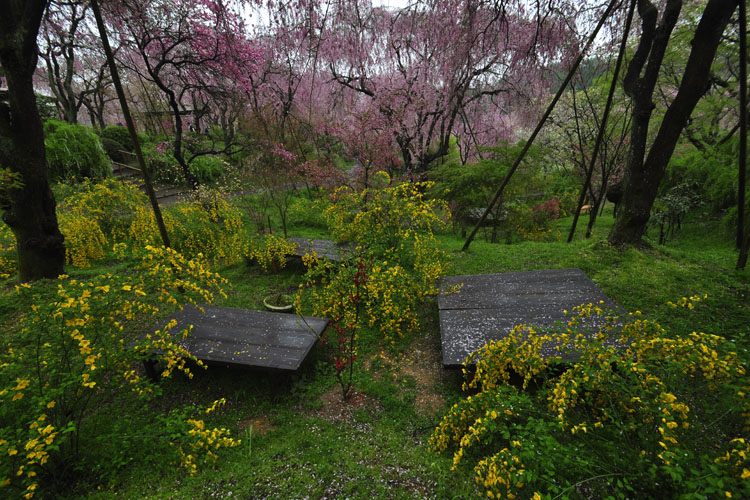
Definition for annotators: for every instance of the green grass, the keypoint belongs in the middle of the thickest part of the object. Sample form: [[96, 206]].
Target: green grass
[[699, 261], [301, 446]]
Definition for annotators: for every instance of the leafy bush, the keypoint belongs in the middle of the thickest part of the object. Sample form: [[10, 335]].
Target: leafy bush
[[114, 150], [163, 165], [671, 207], [207, 168], [533, 222], [393, 229], [659, 416], [209, 227], [711, 173], [70, 362], [270, 252], [74, 152], [120, 135], [470, 188], [307, 213]]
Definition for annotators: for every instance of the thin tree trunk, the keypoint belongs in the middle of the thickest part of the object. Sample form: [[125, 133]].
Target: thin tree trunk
[[539, 126], [743, 127], [129, 122], [602, 129], [743, 227]]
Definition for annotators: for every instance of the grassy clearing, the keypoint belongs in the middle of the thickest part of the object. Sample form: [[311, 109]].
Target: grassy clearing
[[301, 441]]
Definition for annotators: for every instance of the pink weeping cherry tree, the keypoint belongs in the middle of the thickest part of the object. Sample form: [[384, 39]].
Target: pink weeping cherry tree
[[190, 50]]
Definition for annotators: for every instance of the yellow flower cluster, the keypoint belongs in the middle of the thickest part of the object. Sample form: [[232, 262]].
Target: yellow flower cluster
[[213, 230], [8, 264], [626, 377], [111, 203], [204, 442], [73, 349], [84, 239], [393, 228], [95, 216], [271, 252], [24, 461], [499, 474]]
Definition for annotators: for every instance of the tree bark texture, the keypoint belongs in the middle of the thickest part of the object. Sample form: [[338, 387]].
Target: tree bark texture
[[30, 210], [642, 177]]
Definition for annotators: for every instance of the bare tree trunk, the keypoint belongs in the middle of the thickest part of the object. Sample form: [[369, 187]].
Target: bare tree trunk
[[642, 178], [743, 127], [602, 129], [130, 124], [743, 226], [30, 210]]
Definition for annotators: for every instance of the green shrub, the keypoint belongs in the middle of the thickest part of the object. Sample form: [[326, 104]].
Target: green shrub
[[207, 168], [659, 416], [113, 149], [120, 135], [163, 165], [71, 370], [307, 213], [470, 188], [74, 152], [712, 174]]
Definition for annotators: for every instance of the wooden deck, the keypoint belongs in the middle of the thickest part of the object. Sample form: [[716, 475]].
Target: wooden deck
[[240, 337], [323, 248], [488, 306]]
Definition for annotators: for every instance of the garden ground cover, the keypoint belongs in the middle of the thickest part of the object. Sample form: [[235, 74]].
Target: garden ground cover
[[300, 441]]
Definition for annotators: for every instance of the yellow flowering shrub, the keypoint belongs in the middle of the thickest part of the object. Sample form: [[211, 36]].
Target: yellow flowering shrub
[[95, 215], [212, 228], [393, 228], [270, 252], [84, 239], [629, 409], [75, 352], [110, 202], [200, 443], [8, 257]]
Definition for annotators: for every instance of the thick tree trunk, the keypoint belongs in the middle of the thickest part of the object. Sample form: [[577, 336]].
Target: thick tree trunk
[[642, 178], [30, 211]]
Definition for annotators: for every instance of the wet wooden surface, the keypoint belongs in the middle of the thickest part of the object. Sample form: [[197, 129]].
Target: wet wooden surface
[[241, 337], [488, 306], [323, 248]]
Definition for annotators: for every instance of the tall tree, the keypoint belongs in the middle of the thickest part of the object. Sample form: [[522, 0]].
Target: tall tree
[[29, 210], [59, 34], [185, 48], [423, 66], [575, 126], [647, 165]]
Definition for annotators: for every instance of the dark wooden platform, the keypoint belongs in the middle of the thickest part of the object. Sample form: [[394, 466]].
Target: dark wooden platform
[[240, 337], [488, 306], [323, 248]]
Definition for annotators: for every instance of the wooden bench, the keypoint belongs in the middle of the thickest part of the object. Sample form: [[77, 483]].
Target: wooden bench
[[323, 248], [488, 306], [241, 337]]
